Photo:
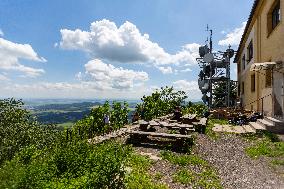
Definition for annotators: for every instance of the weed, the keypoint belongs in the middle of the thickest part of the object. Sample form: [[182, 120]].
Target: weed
[[206, 179], [158, 176], [139, 177], [182, 160], [278, 162], [266, 148], [184, 176]]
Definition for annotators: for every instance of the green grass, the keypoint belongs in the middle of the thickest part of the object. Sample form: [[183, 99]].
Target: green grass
[[182, 159], [139, 178], [266, 144], [207, 179], [266, 148], [278, 162], [158, 176], [184, 176]]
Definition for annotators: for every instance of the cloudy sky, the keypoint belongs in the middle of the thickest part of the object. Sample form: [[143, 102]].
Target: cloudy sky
[[111, 48]]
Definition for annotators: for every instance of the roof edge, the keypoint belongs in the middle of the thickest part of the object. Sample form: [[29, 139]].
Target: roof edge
[[255, 4]]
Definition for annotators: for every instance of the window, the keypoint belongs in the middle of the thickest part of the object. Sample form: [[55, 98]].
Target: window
[[274, 16], [244, 62], [268, 78], [250, 51], [243, 87], [252, 77]]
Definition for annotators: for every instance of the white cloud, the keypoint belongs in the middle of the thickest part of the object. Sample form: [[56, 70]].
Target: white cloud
[[234, 37], [186, 70], [3, 78], [106, 76], [11, 53], [190, 87], [165, 70], [124, 44], [69, 90]]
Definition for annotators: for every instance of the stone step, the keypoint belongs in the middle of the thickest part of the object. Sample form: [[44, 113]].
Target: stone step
[[264, 123], [257, 126], [249, 129], [274, 121]]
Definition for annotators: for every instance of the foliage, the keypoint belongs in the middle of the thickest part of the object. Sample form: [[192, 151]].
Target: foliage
[[184, 176], [219, 96], [269, 145], [94, 123], [160, 102], [266, 148], [206, 179], [197, 109], [18, 130], [68, 165], [36, 156]]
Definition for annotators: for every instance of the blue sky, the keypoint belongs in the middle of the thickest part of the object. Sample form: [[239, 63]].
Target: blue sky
[[110, 49]]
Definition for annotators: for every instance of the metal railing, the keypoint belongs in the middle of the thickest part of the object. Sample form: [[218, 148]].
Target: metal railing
[[257, 100]]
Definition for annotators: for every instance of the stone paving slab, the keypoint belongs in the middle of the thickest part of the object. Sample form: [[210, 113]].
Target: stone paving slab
[[231, 129]]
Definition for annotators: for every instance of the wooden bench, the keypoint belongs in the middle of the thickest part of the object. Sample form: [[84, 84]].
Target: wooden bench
[[188, 118], [201, 125], [183, 128], [162, 135], [181, 141], [143, 125]]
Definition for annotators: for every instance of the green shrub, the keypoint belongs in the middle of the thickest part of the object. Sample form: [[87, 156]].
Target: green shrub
[[197, 109], [94, 123], [160, 102], [69, 165], [18, 130]]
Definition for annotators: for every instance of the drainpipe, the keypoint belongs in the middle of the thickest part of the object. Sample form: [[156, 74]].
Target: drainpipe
[[272, 91]]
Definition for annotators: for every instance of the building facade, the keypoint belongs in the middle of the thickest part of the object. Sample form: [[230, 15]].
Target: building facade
[[260, 58]]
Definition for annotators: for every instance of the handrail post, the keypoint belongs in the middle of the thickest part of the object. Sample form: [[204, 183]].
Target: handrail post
[[262, 106]]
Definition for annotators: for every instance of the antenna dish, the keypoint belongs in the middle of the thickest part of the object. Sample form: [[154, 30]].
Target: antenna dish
[[203, 50], [230, 52], [209, 57]]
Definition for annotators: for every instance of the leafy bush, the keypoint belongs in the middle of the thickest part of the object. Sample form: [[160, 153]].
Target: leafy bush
[[197, 109], [18, 130], [160, 102], [69, 165], [36, 156], [94, 123]]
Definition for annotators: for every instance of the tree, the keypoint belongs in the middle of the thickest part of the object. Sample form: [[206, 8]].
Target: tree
[[160, 102], [219, 94], [18, 129]]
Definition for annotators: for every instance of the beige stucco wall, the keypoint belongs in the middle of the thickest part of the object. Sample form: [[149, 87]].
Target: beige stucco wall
[[267, 47]]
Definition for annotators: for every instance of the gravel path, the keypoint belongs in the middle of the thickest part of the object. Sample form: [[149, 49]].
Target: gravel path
[[235, 168]]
